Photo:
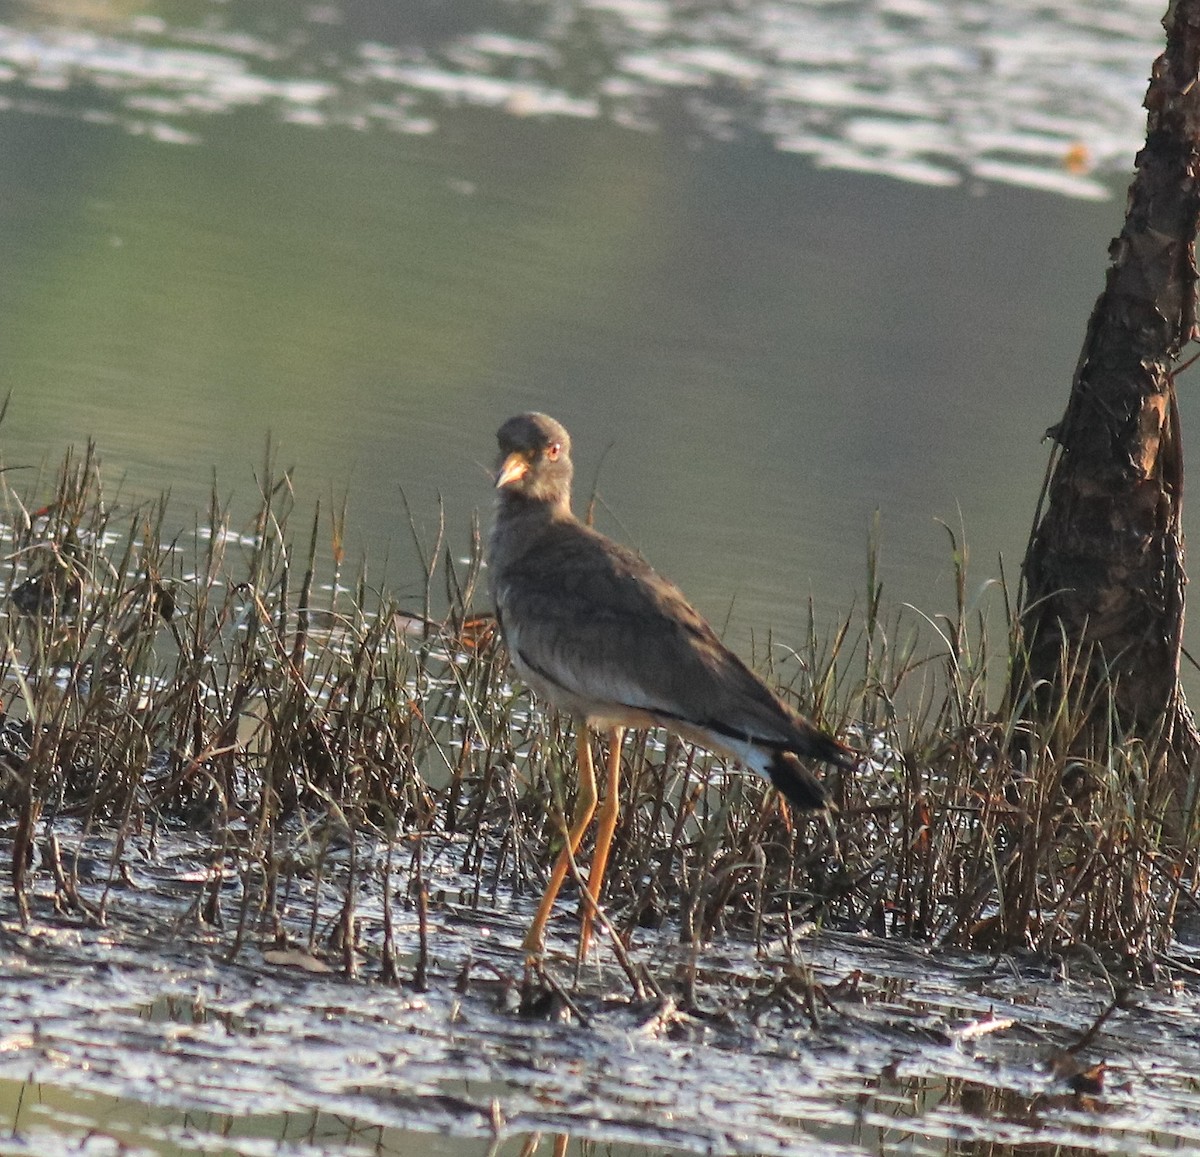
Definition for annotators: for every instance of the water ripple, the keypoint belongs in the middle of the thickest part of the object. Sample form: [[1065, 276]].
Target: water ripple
[[1046, 95]]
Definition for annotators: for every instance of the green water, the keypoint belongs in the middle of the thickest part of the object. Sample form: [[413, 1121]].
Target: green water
[[37, 1117], [753, 354]]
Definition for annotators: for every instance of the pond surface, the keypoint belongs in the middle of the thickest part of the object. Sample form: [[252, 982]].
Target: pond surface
[[777, 266]]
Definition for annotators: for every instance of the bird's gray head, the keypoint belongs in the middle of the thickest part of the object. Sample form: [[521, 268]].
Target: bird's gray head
[[535, 460]]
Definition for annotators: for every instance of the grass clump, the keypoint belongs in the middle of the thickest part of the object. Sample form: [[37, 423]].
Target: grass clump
[[239, 686]]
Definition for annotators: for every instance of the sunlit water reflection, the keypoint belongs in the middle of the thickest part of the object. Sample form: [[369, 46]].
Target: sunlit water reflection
[[1024, 92]]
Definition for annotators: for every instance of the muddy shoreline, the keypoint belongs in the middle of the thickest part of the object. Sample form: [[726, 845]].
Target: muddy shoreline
[[850, 1044]]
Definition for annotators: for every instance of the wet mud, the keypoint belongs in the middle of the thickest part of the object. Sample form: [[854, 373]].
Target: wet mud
[[822, 1041]]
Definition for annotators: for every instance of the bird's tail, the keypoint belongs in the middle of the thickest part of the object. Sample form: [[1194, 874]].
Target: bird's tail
[[796, 783], [799, 786]]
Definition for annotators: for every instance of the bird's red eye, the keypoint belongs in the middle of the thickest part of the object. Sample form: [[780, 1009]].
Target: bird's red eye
[[553, 451]]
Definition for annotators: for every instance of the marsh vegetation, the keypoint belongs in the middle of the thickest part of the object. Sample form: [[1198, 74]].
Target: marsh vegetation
[[231, 682]]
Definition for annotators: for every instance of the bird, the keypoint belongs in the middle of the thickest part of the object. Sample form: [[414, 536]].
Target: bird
[[594, 631]]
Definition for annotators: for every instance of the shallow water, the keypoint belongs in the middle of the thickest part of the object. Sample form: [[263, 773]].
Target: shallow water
[[146, 1029], [47, 1120]]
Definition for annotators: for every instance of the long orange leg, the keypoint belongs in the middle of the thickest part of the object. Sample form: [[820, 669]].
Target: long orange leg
[[605, 826], [585, 807]]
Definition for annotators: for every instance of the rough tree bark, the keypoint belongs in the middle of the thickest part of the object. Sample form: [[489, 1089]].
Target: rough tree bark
[[1104, 576]]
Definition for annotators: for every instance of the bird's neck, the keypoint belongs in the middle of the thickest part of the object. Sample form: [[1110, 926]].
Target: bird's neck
[[514, 506], [520, 523]]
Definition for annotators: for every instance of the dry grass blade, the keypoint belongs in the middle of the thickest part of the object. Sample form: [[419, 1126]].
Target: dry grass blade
[[218, 683]]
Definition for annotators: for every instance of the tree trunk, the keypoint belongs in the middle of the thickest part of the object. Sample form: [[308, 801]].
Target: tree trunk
[[1102, 599]]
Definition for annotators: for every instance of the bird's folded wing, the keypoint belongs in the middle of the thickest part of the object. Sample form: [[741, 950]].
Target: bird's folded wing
[[593, 619]]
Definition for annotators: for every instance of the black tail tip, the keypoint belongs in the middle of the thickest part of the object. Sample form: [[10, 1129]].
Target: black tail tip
[[796, 783], [821, 745]]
